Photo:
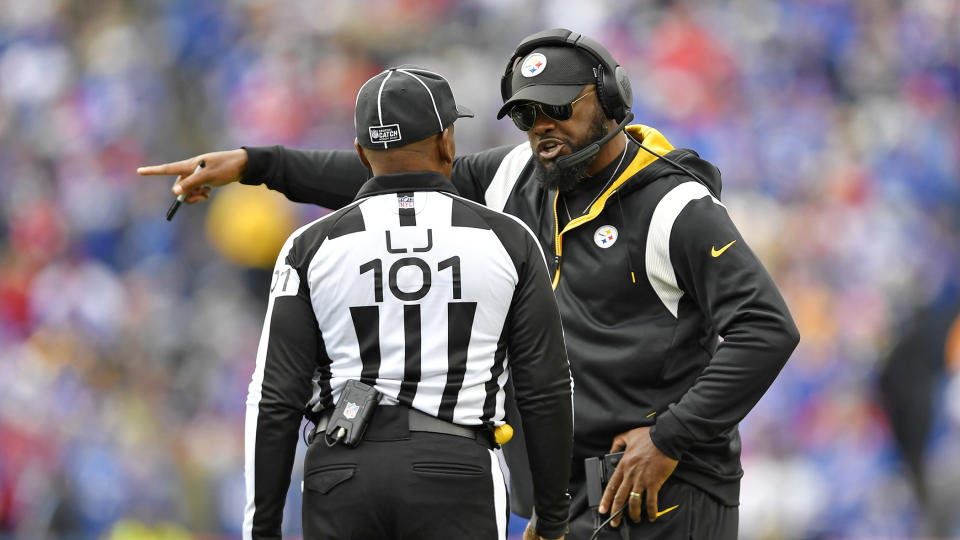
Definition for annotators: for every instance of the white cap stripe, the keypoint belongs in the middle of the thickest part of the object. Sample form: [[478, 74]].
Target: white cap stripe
[[380, 95], [439, 121]]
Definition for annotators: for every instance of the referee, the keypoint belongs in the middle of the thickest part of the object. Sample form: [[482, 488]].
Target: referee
[[415, 306]]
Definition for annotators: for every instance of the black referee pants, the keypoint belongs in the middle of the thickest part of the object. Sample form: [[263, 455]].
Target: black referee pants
[[697, 515], [399, 484]]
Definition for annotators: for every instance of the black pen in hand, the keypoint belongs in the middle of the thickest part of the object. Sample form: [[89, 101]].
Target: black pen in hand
[[183, 196]]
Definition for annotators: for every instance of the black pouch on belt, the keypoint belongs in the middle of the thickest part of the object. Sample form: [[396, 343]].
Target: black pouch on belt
[[352, 414], [598, 473]]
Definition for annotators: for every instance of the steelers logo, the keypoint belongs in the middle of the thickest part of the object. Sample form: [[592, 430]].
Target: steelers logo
[[533, 65], [605, 236]]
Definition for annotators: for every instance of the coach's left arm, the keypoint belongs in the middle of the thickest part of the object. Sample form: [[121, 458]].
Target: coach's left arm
[[733, 290]]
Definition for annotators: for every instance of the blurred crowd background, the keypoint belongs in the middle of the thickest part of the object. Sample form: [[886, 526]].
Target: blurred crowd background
[[127, 342]]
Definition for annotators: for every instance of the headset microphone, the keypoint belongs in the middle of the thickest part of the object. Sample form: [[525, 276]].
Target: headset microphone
[[593, 148]]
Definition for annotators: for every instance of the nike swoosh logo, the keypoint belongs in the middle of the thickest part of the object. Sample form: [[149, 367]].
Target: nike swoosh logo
[[717, 252], [674, 507]]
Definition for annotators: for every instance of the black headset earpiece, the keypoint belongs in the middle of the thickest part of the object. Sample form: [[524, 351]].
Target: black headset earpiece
[[613, 85], [610, 109], [623, 87]]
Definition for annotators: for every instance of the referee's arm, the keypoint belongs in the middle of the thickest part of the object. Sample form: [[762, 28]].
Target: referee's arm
[[279, 390], [541, 377]]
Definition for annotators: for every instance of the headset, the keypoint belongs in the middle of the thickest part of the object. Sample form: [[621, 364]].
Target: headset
[[613, 85]]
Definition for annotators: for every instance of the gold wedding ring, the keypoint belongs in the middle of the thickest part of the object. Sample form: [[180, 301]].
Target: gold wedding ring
[[635, 495]]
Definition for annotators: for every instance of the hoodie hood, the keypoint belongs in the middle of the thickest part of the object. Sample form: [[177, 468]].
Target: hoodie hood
[[656, 159], [647, 168]]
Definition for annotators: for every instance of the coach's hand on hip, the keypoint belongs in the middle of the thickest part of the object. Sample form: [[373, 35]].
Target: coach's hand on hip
[[220, 168], [643, 468]]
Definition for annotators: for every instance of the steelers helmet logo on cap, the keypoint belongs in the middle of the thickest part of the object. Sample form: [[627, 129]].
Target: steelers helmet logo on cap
[[533, 65], [570, 71]]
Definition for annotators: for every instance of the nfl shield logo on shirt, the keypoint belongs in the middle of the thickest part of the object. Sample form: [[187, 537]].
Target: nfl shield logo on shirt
[[605, 236], [350, 411], [405, 201]]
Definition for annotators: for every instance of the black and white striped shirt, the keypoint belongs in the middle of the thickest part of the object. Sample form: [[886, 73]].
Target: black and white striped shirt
[[428, 297]]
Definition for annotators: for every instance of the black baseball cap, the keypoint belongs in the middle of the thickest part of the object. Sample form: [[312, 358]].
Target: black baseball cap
[[550, 75], [403, 105]]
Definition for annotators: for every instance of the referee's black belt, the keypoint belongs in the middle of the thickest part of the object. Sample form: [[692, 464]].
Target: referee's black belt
[[416, 421]]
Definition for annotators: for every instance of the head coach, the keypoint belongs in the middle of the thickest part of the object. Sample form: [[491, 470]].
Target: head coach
[[394, 324], [674, 328]]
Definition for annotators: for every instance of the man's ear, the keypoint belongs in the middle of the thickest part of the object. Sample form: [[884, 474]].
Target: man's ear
[[447, 147], [363, 156]]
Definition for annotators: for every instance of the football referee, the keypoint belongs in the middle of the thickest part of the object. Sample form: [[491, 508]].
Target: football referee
[[394, 324]]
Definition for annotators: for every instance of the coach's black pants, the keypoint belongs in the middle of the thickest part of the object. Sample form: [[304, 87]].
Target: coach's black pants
[[697, 515], [399, 484]]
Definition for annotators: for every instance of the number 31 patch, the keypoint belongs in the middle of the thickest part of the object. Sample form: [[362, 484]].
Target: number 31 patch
[[285, 281]]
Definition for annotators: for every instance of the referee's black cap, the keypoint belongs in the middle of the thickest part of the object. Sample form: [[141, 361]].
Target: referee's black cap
[[403, 105], [553, 75]]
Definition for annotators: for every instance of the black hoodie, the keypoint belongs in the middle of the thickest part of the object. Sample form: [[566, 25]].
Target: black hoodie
[[670, 319]]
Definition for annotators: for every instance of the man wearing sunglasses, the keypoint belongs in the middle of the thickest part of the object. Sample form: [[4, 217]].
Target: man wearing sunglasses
[[674, 329]]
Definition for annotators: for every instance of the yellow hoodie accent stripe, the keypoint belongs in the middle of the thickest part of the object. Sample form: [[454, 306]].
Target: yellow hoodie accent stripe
[[652, 139], [556, 240]]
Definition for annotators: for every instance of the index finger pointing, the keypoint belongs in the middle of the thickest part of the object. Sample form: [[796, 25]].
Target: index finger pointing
[[181, 168]]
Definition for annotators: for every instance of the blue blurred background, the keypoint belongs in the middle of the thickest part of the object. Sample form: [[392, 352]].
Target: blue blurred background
[[127, 342]]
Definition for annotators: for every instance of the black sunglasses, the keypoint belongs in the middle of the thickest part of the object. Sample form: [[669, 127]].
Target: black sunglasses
[[524, 115]]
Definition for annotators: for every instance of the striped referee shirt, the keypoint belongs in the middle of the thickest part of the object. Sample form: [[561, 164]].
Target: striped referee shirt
[[430, 298]]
